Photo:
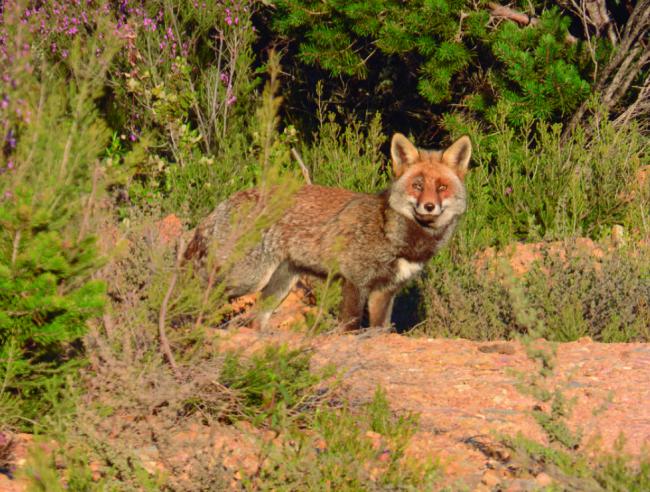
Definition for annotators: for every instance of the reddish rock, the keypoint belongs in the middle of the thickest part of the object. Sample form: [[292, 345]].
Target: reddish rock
[[170, 228], [522, 256], [543, 480], [490, 478]]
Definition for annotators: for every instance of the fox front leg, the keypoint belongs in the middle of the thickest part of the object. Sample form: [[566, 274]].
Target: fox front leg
[[380, 308], [352, 304]]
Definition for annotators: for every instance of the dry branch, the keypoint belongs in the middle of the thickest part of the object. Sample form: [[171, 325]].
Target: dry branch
[[503, 12], [632, 56], [162, 319], [303, 168]]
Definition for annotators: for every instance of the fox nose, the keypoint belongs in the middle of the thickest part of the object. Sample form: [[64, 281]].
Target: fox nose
[[429, 207]]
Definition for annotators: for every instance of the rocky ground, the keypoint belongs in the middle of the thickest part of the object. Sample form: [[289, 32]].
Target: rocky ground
[[466, 395]]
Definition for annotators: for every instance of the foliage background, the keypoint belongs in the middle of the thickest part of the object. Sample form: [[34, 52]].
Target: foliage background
[[117, 113]]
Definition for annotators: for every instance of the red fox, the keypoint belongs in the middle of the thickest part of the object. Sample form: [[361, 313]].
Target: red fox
[[375, 243]]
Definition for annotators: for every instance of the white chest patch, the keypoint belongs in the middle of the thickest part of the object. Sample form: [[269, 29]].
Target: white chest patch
[[407, 269]]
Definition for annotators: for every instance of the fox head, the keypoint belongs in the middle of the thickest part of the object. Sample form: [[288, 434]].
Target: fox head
[[429, 184]]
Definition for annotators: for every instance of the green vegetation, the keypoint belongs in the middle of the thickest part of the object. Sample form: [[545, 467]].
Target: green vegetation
[[117, 114], [569, 292], [341, 451], [436, 47]]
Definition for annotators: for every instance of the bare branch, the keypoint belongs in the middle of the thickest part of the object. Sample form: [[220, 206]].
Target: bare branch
[[162, 319], [629, 60], [89, 204], [303, 168], [503, 12], [16, 246]]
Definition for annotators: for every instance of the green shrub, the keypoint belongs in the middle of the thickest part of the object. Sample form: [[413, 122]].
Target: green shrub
[[379, 54], [560, 299], [272, 385], [347, 157], [530, 185], [48, 187], [341, 450]]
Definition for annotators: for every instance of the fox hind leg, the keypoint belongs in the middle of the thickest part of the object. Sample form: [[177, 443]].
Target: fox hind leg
[[275, 291], [380, 308], [354, 300]]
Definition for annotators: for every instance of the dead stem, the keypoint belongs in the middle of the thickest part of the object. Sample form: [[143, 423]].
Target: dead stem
[[303, 168], [164, 342]]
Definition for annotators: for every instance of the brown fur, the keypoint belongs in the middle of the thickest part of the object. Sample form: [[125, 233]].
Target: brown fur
[[375, 243]]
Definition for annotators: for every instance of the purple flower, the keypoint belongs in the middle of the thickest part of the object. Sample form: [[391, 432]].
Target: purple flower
[[231, 100], [8, 194], [10, 165], [11, 140], [73, 30], [4, 104], [508, 191], [149, 24], [224, 77]]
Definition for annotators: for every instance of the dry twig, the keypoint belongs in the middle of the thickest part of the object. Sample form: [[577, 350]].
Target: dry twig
[[303, 168], [503, 12], [162, 319]]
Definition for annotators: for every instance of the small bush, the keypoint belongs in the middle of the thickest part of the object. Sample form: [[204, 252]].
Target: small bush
[[273, 385], [347, 157], [347, 450], [531, 185], [560, 299]]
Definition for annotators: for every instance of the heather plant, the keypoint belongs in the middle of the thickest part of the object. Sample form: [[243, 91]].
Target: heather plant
[[184, 92]]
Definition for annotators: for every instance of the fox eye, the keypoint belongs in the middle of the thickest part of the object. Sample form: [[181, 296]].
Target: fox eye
[[442, 188], [417, 186]]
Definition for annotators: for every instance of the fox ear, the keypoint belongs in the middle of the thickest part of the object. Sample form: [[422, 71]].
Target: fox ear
[[457, 155], [403, 153]]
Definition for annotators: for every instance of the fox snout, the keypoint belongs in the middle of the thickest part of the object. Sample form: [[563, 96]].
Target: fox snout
[[429, 208]]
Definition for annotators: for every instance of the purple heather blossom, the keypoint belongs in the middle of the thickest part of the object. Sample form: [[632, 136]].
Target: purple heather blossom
[[11, 139], [149, 24]]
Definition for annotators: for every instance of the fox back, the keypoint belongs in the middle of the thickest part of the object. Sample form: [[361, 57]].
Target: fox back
[[375, 243]]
